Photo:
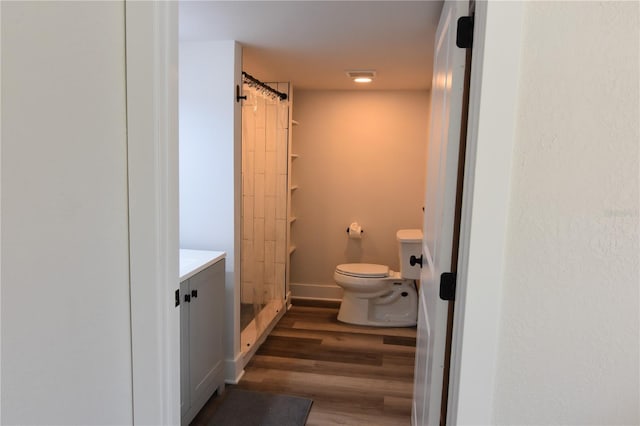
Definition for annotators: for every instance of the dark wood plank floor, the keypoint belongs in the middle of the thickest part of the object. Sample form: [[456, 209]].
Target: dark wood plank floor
[[355, 375]]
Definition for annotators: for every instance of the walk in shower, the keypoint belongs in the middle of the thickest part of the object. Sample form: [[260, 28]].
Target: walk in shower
[[263, 251]]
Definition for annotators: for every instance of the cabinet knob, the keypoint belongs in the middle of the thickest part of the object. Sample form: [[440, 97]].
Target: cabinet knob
[[194, 293], [187, 298]]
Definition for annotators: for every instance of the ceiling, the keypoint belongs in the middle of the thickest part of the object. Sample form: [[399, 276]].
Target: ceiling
[[313, 43]]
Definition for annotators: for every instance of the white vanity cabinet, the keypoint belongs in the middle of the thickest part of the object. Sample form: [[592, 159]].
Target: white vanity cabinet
[[202, 297]]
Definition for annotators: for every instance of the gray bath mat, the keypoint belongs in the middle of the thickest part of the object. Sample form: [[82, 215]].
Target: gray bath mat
[[248, 408]]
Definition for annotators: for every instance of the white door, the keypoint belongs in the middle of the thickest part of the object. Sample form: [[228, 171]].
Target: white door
[[438, 226]]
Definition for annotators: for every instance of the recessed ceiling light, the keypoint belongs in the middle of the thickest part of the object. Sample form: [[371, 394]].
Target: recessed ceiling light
[[361, 76]]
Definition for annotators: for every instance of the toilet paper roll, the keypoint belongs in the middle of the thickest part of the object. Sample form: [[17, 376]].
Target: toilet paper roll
[[355, 231]]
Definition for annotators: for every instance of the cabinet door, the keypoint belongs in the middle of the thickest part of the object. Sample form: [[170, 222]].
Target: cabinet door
[[206, 314], [185, 387]]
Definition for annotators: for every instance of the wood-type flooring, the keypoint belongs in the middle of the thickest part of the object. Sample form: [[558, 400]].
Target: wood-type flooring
[[355, 375]]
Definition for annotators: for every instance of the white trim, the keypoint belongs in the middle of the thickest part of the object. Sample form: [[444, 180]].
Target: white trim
[[234, 293], [234, 369], [151, 48], [491, 128], [1, 210], [287, 300], [328, 292]]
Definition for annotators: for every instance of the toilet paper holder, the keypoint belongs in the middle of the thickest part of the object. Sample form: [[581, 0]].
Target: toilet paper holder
[[361, 231]]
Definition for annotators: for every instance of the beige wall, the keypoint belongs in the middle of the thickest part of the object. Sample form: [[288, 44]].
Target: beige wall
[[568, 350], [362, 158]]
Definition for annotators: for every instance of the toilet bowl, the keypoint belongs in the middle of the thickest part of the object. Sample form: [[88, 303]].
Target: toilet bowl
[[373, 298], [375, 295]]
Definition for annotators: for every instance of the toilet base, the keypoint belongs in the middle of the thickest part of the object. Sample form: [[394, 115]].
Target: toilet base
[[396, 308]]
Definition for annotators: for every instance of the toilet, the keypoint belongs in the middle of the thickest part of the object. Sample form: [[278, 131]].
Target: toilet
[[375, 295]]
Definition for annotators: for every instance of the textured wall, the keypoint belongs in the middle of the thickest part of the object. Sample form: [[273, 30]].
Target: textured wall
[[568, 351], [362, 158]]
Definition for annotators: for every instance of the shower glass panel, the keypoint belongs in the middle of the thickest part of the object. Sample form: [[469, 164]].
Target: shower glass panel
[[263, 251]]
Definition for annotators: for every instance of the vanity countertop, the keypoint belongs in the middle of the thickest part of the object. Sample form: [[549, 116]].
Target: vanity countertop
[[194, 261]]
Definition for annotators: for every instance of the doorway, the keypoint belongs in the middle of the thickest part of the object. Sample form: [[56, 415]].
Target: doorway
[[488, 178]]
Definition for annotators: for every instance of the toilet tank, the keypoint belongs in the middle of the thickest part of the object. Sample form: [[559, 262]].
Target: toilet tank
[[409, 244]]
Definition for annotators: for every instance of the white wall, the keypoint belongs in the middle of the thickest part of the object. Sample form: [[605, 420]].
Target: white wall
[[362, 158], [568, 345], [206, 145], [210, 163], [66, 344]]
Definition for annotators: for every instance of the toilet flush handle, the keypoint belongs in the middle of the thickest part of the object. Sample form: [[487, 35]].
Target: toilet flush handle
[[415, 260]]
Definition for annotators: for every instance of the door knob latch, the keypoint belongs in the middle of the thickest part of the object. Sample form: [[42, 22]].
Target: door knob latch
[[415, 260]]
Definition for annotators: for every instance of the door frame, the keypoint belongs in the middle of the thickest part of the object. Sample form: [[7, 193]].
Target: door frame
[[152, 64], [152, 148], [492, 117]]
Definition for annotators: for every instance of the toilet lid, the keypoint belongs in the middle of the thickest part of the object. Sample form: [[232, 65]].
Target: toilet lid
[[365, 270]]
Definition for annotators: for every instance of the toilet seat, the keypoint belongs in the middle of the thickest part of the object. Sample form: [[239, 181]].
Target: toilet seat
[[363, 270]]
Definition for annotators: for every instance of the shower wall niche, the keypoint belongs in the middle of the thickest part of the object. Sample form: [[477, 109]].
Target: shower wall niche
[[263, 251]]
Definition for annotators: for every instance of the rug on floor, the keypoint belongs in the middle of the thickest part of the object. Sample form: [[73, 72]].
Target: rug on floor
[[241, 407]]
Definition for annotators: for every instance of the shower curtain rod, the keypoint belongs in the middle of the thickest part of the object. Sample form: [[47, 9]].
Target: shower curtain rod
[[251, 79]]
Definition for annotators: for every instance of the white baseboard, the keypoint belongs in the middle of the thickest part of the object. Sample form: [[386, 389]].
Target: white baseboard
[[234, 370], [330, 292], [287, 300]]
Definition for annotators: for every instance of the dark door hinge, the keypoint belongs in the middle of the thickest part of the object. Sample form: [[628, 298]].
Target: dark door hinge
[[448, 286], [464, 32], [178, 297]]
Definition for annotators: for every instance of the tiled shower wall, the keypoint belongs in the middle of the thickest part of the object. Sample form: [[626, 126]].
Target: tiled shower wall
[[264, 198]]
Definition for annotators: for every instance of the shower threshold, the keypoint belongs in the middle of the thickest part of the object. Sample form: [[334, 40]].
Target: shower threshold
[[255, 333]]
